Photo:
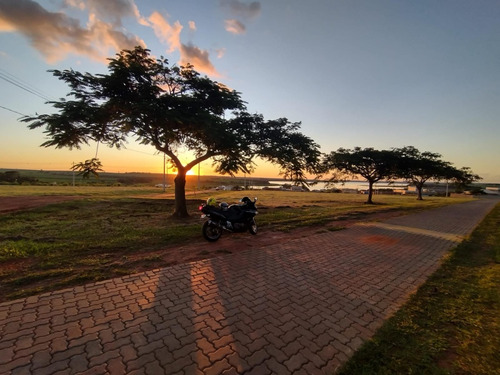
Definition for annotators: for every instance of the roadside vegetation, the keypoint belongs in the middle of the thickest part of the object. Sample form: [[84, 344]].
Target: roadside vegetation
[[110, 232], [452, 324]]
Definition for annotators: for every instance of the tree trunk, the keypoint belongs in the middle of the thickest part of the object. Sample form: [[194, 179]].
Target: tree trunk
[[180, 210], [419, 187], [370, 192]]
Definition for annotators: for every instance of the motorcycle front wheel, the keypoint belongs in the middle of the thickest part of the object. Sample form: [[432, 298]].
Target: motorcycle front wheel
[[211, 232], [253, 227]]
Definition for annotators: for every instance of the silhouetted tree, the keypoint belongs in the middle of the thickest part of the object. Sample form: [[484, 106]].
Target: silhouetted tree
[[420, 167], [88, 168], [173, 109], [461, 177], [373, 165]]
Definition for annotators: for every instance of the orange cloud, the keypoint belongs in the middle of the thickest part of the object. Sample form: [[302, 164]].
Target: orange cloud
[[198, 58], [170, 35], [165, 32], [110, 10], [235, 27], [55, 35]]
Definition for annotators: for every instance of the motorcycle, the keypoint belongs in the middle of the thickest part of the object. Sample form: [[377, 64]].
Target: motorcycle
[[231, 218]]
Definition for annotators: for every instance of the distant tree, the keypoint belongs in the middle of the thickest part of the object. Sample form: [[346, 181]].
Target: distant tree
[[462, 177], [10, 176], [15, 177], [373, 165], [420, 167], [132, 180], [173, 109]]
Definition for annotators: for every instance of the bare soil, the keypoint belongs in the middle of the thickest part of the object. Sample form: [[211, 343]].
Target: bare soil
[[10, 204]]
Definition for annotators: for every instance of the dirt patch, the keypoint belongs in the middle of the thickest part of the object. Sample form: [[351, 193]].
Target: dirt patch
[[10, 204], [377, 239]]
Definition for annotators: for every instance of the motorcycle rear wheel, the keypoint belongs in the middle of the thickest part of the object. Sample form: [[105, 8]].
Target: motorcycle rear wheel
[[211, 232], [253, 227]]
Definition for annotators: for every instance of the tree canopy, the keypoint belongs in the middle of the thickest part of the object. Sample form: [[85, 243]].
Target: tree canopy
[[419, 167], [406, 163], [172, 108], [373, 165]]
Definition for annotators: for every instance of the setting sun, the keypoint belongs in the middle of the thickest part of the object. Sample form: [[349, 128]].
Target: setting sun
[[190, 173]]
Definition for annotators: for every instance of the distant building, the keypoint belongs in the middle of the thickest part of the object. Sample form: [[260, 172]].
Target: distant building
[[492, 190]]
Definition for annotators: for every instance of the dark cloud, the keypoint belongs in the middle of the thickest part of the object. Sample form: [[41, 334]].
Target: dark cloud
[[242, 10]]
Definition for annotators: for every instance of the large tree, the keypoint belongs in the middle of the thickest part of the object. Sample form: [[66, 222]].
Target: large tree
[[420, 167], [373, 165], [172, 108]]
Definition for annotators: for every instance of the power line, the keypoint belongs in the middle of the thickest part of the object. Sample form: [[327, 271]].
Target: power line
[[6, 76], [11, 110], [142, 152]]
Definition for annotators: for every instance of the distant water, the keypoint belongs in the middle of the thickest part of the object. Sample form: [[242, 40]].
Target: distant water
[[358, 185]]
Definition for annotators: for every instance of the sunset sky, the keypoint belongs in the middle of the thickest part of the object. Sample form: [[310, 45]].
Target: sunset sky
[[368, 73]]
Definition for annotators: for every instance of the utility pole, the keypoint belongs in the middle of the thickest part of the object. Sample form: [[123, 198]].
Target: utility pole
[[199, 176], [164, 179]]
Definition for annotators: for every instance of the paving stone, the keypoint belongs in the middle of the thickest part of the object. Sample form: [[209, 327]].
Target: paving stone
[[217, 368], [6, 354], [78, 363], [40, 359], [53, 368], [257, 357]]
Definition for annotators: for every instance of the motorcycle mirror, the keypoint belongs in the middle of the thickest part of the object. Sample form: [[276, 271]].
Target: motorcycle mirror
[[255, 199]]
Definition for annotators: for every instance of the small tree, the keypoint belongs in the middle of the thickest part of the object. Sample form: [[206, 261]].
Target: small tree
[[373, 165], [173, 108], [88, 168]]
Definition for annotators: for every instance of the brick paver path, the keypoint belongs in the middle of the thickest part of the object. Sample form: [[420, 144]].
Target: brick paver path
[[300, 307]]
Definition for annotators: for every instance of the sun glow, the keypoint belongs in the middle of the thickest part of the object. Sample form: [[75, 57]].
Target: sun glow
[[190, 173]]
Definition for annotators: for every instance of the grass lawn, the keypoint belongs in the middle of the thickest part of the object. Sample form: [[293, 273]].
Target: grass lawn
[[114, 231], [452, 324]]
